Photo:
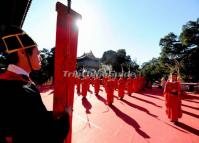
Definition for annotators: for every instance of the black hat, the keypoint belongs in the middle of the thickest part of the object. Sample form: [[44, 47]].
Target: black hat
[[13, 38]]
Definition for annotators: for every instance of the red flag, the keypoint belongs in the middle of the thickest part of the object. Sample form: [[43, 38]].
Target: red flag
[[65, 61]]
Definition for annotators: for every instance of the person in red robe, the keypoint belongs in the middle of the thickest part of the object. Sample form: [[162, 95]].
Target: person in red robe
[[105, 78], [143, 82], [78, 82], [91, 80], [116, 82], [172, 94], [138, 83], [96, 83], [129, 85], [85, 84], [135, 84], [121, 86], [132, 84], [110, 87]]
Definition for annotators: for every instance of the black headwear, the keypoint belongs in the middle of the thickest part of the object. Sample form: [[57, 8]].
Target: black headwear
[[13, 38]]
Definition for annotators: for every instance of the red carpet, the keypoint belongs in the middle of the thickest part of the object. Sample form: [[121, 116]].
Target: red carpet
[[139, 118]]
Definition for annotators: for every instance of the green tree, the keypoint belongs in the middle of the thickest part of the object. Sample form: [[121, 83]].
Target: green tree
[[190, 38], [181, 53], [153, 70], [190, 34], [119, 61], [172, 52]]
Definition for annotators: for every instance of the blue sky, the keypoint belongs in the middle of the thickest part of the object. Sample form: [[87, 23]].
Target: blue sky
[[134, 25]]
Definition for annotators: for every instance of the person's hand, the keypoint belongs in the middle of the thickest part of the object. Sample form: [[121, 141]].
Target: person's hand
[[61, 127]]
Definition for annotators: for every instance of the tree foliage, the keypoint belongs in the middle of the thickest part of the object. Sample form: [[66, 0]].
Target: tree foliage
[[119, 61], [179, 53], [153, 70], [190, 34], [190, 38]]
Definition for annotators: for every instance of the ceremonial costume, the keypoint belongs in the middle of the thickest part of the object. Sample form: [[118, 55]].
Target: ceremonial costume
[[121, 86], [116, 83], [139, 83], [105, 82], [85, 85], [173, 100], [96, 83], [129, 85], [136, 84], [133, 86], [110, 90], [24, 118], [78, 83]]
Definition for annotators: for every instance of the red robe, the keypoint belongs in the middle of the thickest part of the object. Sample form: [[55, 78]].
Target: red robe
[[85, 85], [91, 81], [133, 85], [105, 82], [88, 81], [136, 84], [78, 82], [129, 85], [172, 95], [96, 83], [12, 76], [143, 83], [121, 86], [110, 90], [116, 83]]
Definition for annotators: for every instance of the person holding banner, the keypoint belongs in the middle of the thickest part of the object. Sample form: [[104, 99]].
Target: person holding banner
[[24, 118], [129, 85], [121, 87], [96, 83], [85, 84], [172, 94], [78, 83], [116, 82], [105, 79], [110, 87]]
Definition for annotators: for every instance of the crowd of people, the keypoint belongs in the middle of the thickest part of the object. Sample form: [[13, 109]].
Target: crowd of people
[[129, 85], [110, 83]]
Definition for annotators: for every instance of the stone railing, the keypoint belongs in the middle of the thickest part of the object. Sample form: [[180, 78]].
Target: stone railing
[[191, 87]]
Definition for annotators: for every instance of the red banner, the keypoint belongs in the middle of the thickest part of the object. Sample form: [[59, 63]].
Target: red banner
[[65, 61]]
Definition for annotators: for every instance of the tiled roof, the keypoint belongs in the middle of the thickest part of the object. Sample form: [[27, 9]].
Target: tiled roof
[[87, 55]]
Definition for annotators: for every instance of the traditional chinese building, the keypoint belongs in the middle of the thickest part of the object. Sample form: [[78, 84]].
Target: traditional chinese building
[[88, 61]]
